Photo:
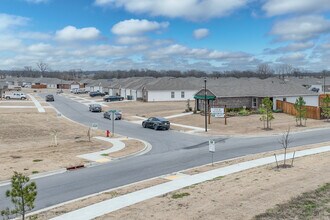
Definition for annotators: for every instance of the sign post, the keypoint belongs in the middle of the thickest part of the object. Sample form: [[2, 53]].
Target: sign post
[[212, 148], [113, 122]]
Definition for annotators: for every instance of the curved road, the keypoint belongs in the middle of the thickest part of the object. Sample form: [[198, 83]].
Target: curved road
[[172, 151]]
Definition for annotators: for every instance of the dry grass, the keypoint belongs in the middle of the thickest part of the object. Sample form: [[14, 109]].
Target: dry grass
[[248, 125], [28, 136], [148, 109], [98, 198], [310, 205]]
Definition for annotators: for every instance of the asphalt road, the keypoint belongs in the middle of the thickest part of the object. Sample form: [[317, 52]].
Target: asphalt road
[[172, 151]]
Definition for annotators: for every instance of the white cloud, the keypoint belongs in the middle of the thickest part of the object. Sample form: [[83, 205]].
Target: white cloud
[[201, 33], [137, 27], [71, 33], [9, 21], [188, 9], [40, 47], [294, 57], [130, 40], [35, 35], [293, 47], [301, 28], [280, 7], [9, 43]]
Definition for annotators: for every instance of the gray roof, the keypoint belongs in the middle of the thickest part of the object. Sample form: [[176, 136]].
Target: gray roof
[[255, 87], [171, 83]]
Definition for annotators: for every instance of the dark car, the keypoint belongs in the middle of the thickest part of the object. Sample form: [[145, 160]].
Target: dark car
[[108, 114], [97, 93], [156, 123], [113, 98], [50, 98], [95, 108]]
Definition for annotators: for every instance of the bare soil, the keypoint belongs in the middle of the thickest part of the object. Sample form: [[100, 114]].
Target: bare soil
[[27, 142], [148, 109], [238, 196], [98, 198], [248, 125]]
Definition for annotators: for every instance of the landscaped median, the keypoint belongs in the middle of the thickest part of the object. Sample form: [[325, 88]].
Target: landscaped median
[[241, 195]]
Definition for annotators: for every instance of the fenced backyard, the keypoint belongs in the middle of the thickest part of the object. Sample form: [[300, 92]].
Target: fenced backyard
[[288, 108]]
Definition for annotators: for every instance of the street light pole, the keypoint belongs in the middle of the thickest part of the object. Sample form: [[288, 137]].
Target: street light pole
[[205, 105]]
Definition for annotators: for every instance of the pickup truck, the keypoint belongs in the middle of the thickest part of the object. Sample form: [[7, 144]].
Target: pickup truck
[[16, 95]]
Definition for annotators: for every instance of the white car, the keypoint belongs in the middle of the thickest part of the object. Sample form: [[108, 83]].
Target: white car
[[16, 95]]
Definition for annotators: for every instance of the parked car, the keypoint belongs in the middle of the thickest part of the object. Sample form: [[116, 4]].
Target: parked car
[[50, 98], [113, 98], [315, 89], [107, 114], [80, 91], [95, 108], [97, 93], [16, 95], [156, 123]]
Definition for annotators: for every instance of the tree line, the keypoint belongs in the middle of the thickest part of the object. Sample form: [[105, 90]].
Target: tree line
[[264, 70]]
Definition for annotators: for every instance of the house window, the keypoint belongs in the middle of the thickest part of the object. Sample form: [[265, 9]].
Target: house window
[[172, 95], [254, 102], [182, 94], [284, 99]]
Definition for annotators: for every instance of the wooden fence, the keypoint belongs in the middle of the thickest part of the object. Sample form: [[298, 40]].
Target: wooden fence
[[39, 86], [312, 111]]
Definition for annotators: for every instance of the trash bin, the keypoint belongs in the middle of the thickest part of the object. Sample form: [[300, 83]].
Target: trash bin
[[129, 97]]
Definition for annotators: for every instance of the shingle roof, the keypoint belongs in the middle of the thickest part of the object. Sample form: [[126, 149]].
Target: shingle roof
[[247, 87], [171, 83]]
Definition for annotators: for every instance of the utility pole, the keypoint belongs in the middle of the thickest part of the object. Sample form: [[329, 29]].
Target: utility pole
[[205, 104]]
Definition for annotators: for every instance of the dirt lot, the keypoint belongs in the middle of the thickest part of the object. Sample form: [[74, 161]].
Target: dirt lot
[[27, 142], [237, 196], [148, 109], [248, 125]]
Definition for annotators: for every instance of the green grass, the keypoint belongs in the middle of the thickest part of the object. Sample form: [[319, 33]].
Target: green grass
[[179, 195], [37, 160], [310, 205], [104, 155], [35, 172]]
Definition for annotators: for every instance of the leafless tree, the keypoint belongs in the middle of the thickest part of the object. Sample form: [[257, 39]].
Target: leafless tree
[[264, 70], [284, 69], [43, 67], [285, 141]]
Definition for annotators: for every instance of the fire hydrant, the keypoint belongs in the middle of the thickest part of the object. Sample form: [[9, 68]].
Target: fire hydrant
[[108, 133]]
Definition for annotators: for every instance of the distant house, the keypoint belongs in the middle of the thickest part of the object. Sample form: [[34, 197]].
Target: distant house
[[171, 89], [95, 85], [249, 92]]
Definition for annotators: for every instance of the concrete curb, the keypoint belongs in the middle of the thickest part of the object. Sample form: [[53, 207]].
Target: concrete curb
[[108, 206]]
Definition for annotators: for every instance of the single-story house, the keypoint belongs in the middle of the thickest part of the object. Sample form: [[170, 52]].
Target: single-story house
[[171, 89], [249, 92]]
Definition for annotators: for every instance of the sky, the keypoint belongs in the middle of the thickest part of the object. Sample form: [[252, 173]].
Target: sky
[[208, 35]]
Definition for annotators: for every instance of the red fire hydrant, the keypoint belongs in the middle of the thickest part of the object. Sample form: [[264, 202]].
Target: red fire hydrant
[[108, 133]]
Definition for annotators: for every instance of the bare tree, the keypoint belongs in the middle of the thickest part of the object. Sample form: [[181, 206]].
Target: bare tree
[[284, 69], [264, 70], [285, 142], [43, 67]]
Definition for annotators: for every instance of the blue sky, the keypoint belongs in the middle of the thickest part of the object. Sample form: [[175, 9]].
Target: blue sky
[[209, 35]]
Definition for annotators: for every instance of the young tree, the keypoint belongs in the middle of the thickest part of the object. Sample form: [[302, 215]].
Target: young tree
[[267, 113], [285, 141], [326, 107], [22, 194], [301, 110]]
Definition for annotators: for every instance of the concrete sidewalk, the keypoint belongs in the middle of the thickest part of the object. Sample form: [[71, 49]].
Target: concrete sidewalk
[[120, 202], [117, 145]]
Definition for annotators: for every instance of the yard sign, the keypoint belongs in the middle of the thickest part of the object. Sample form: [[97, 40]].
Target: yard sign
[[218, 112]]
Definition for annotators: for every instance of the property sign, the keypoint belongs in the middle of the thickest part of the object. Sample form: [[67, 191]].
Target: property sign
[[218, 112], [211, 146], [94, 126]]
